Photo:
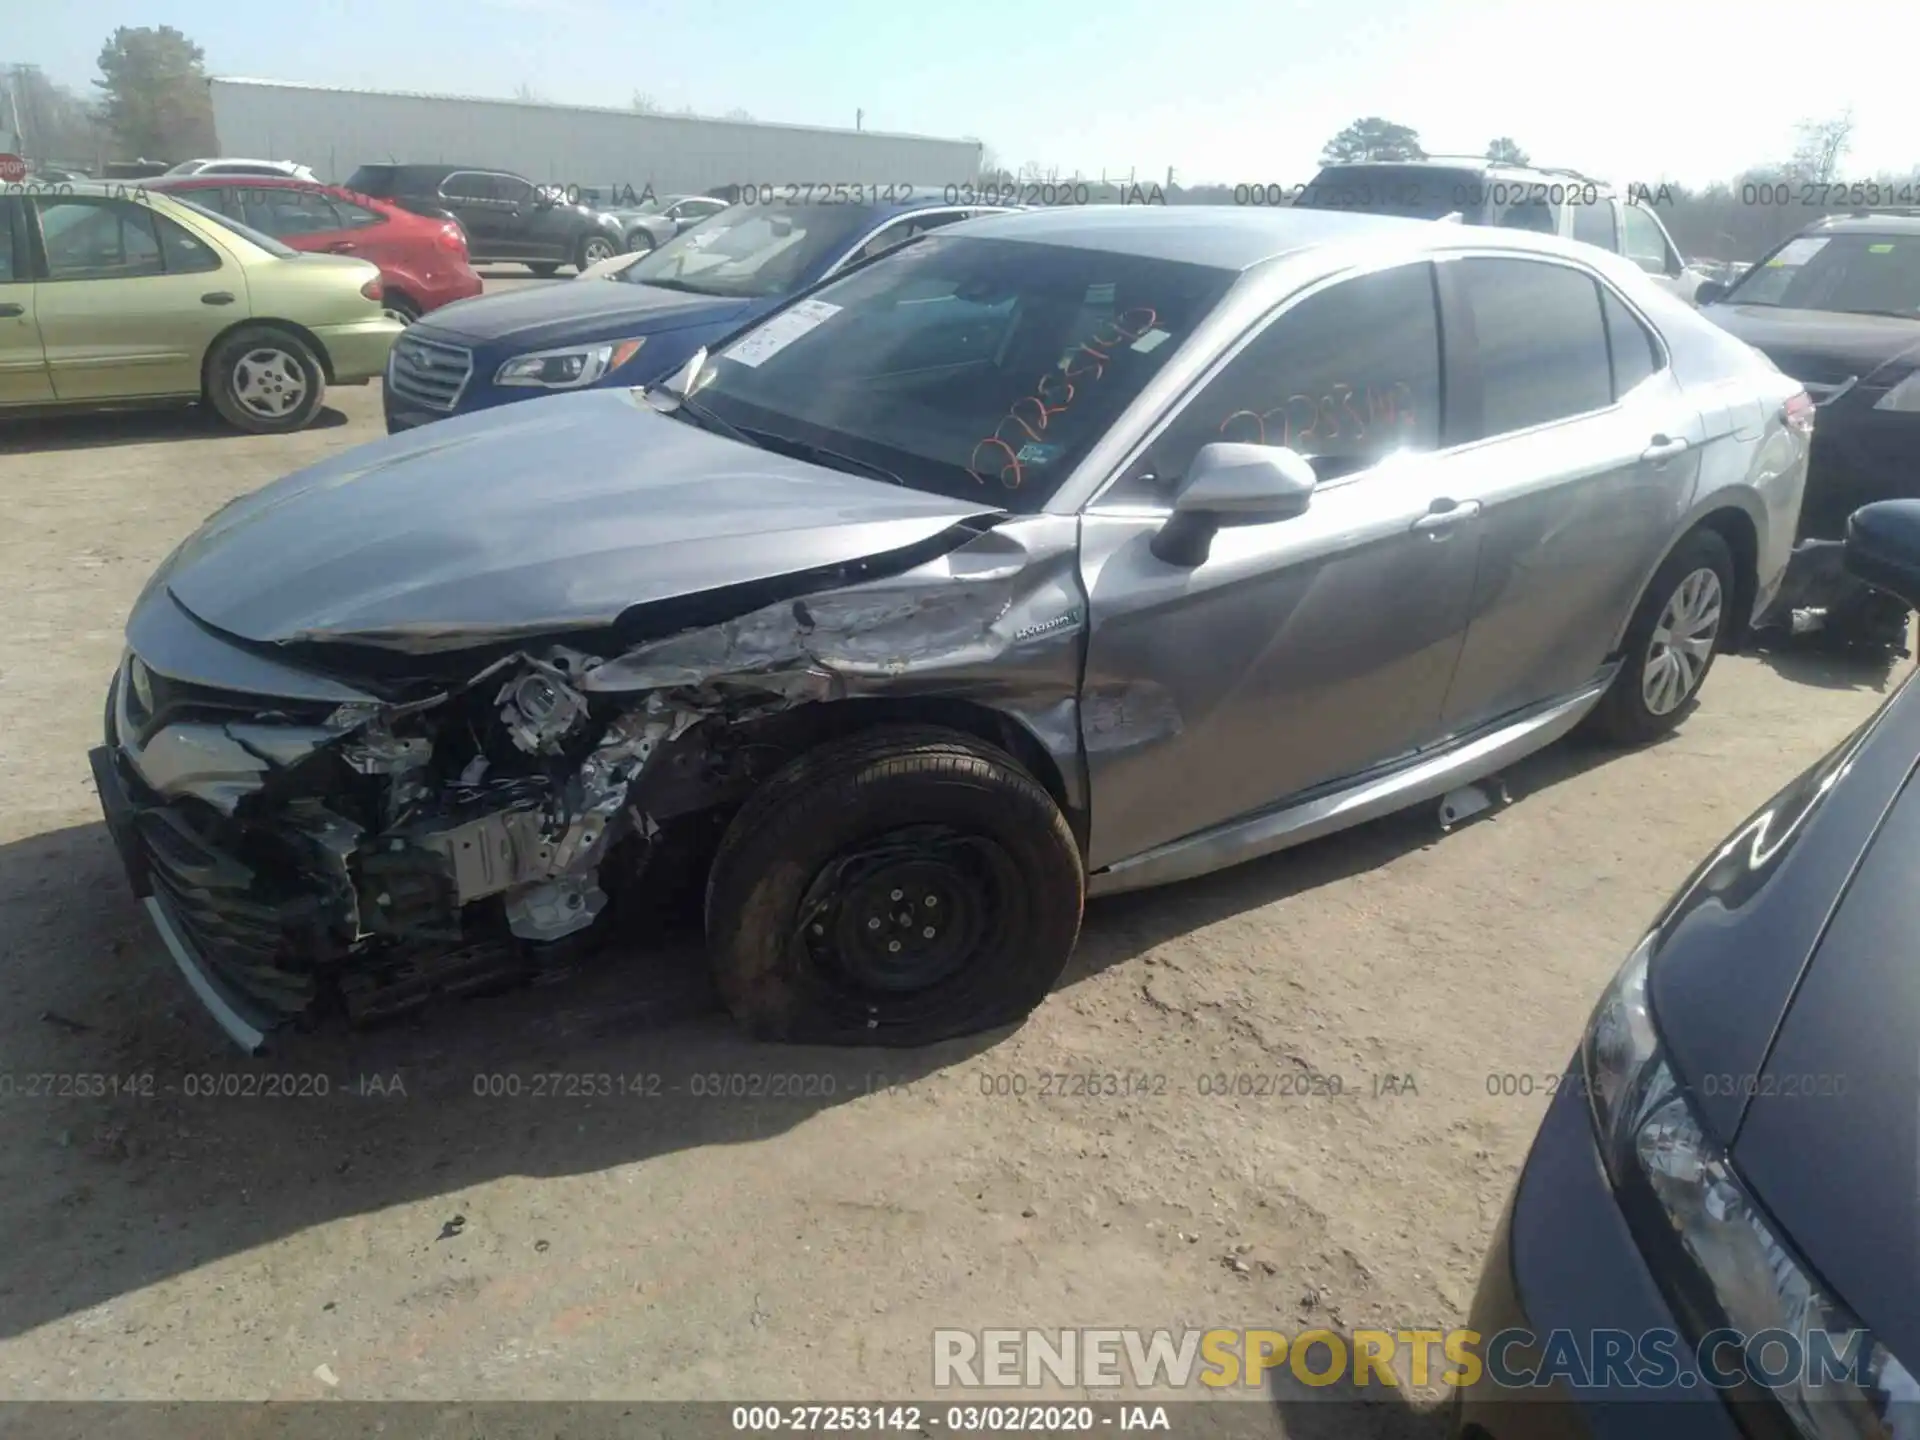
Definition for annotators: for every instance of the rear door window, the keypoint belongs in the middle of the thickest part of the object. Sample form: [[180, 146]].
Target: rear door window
[[287, 213], [1594, 225], [1635, 353], [1542, 342], [88, 238], [1646, 242]]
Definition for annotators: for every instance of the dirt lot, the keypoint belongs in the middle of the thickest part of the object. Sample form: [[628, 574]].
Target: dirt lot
[[402, 1236]]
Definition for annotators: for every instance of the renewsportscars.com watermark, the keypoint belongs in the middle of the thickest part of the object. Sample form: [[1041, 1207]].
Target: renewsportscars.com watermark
[[1094, 1359]]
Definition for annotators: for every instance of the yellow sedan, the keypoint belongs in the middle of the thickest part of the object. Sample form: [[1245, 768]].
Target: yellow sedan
[[111, 295]]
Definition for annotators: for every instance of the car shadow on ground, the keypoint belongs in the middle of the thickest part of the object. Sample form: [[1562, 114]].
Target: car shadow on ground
[[90, 429], [136, 1144], [1810, 660], [1343, 1411]]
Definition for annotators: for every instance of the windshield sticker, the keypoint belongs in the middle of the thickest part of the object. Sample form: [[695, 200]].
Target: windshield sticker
[[1034, 453], [1798, 252], [779, 332], [994, 455], [1152, 340], [1100, 294], [1880, 249]]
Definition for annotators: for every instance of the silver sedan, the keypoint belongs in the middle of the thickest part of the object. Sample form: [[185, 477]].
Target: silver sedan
[[1049, 554]]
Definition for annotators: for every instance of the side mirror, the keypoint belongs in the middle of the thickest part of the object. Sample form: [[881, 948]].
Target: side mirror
[[1710, 291], [1883, 548], [1232, 484]]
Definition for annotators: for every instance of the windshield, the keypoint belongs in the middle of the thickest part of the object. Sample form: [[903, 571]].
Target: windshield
[[1868, 274], [983, 369], [1420, 192], [753, 250], [245, 232]]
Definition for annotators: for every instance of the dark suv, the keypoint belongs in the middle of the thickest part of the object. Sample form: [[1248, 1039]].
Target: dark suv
[[506, 216]]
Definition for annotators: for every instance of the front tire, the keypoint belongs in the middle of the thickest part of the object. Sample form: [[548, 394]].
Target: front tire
[[593, 249], [543, 268], [265, 380], [1671, 643], [897, 887]]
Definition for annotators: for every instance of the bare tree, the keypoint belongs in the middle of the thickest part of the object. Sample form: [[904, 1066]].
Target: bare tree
[[644, 104], [55, 124], [738, 114], [1506, 151], [527, 95], [1822, 145]]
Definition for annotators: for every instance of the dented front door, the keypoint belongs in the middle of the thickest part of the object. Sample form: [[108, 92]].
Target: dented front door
[[1297, 653]]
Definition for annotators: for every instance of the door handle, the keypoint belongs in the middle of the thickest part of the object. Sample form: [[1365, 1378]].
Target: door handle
[[340, 247], [10, 311], [217, 297], [1445, 514], [1663, 448]]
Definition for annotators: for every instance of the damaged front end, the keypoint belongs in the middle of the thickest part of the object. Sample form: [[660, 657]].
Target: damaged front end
[[310, 854], [376, 854]]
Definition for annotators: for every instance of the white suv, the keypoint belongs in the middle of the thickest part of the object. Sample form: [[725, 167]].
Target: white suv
[[244, 167], [1514, 197]]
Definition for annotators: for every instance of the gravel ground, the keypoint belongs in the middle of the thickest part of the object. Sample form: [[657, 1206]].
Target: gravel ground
[[405, 1235]]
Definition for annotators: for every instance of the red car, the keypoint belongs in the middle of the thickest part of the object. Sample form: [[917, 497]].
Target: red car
[[423, 260]]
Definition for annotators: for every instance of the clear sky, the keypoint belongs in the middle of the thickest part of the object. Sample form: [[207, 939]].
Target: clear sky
[[1220, 90]]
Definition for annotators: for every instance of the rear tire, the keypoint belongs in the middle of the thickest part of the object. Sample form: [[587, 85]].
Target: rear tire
[[897, 887], [1671, 643], [265, 380], [543, 268]]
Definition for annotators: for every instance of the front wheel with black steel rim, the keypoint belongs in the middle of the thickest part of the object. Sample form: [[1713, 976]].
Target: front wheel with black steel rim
[[265, 380], [594, 249], [1675, 633], [896, 887]]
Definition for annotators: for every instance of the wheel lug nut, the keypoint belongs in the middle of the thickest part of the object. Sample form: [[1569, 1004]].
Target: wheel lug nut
[[931, 902], [874, 924], [819, 929], [928, 932], [893, 944], [897, 894]]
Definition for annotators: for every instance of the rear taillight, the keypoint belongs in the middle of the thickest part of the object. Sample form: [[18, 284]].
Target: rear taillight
[[373, 290], [1798, 413], [452, 237]]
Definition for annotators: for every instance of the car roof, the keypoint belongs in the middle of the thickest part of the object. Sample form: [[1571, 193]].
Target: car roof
[[1475, 165], [210, 182], [1870, 222], [1230, 237]]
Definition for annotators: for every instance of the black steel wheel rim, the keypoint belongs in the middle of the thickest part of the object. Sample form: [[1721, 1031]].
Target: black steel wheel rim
[[907, 910]]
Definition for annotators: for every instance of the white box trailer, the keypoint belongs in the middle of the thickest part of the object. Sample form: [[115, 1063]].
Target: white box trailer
[[602, 151]]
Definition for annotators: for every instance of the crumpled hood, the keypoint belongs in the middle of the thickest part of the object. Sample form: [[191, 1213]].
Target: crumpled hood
[[1825, 347], [552, 515], [576, 310]]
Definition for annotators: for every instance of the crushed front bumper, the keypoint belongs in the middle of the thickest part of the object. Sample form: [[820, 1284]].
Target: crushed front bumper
[[246, 1023]]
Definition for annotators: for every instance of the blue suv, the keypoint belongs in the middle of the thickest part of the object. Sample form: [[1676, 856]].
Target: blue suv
[[646, 321]]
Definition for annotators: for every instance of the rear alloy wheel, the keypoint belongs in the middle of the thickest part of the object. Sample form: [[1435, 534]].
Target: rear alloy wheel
[[1671, 643], [897, 887], [594, 249], [264, 380]]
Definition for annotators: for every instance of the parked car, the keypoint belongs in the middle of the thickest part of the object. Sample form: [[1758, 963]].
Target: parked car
[[661, 308], [507, 217], [1838, 308], [1481, 192], [1731, 1153], [423, 263], [655, 225], [242, 167], [1006, 569], [111, 299]]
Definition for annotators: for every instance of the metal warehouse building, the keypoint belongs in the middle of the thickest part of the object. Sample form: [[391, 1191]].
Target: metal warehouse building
[[597, 149]]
